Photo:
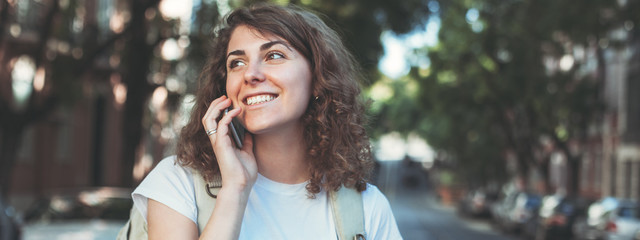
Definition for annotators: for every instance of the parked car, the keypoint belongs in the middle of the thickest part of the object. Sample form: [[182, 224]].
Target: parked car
[[557, 216], [515, 210], [477, 203], [10, 225], [610, 218], [96, 213]]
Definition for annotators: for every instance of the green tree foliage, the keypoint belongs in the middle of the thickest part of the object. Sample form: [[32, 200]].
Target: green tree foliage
[[394, 106], [507, 73]]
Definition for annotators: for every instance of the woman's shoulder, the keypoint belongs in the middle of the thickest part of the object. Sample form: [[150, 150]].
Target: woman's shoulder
[[170, 162], [372, 193], [170, 167], [380, 222], [168, 173], [374, 202], [170, 184]]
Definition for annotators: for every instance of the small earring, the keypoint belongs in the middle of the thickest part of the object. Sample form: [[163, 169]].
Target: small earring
[[316, 98]]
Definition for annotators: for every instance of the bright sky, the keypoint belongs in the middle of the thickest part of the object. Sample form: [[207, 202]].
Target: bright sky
[[394, 147], [397, 57]]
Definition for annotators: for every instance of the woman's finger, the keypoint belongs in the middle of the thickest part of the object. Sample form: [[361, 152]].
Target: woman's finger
[[226, 119], [213, 113], [211, 109]]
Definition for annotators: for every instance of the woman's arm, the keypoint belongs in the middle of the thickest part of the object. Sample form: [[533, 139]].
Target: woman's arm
[[227, 215], [238, 170], [166, 223]]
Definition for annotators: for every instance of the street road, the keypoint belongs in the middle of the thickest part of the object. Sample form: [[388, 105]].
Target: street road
[[419, 214]]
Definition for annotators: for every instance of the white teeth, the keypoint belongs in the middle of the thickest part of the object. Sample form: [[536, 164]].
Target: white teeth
[[259, 99]]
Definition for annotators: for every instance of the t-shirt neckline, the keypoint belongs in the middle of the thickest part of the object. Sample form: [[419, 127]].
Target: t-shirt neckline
[[278, 187]]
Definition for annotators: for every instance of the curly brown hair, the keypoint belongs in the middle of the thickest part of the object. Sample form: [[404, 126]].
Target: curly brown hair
[[337, 143]]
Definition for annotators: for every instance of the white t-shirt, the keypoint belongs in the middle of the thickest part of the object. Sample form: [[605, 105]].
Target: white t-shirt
[[274, 210]]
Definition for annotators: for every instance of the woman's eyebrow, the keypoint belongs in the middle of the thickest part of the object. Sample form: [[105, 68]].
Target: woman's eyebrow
[[272, 43], [235, 52], [263, 47]]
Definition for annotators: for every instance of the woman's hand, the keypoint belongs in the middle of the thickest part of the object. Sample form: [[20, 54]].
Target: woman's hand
[[237, 166], [238, 169]]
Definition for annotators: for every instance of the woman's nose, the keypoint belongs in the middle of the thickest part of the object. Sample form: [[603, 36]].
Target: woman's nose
[[254, 74]]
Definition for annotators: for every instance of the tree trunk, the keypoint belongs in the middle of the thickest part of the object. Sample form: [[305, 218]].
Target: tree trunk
[[10, 140], [517, 143], [4, 14], [138, 90], [543, 167], [14, 122], [573, 170], [575, 164]]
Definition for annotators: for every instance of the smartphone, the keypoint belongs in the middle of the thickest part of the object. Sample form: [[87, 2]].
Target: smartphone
[[237, 130]]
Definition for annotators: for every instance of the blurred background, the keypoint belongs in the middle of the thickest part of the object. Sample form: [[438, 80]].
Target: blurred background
[[490, 119]]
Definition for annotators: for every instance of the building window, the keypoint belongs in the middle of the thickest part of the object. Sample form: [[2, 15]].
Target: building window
[[586, 168], [26, 148], [637, 181], [64, 135], [598, 168], [627, 178], [613, 180], [632, 132], [27, 12]]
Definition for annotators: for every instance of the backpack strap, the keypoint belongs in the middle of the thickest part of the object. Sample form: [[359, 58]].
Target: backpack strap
[[348, 213], [135, 228], [206, 194]]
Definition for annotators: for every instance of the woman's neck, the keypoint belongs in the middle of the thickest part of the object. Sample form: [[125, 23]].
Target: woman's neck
[[282, 156]]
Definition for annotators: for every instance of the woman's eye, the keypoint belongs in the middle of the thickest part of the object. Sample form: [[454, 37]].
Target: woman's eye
[[235, 63], [274, 55]]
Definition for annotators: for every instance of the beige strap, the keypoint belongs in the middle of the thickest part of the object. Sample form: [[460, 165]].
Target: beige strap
[[348, 213], [136, 227], [123, 234], [204, 202]]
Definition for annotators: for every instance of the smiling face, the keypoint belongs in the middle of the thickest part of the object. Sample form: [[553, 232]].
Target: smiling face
[[268, 79]]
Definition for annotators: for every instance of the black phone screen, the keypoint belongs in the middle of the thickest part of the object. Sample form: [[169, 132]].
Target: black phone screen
[[237, 131]]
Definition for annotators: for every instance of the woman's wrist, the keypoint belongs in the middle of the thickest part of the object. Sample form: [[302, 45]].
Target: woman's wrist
[[241, 191], [227, 215]]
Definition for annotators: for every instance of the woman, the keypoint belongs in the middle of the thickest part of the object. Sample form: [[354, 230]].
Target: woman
[[293, 86]]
